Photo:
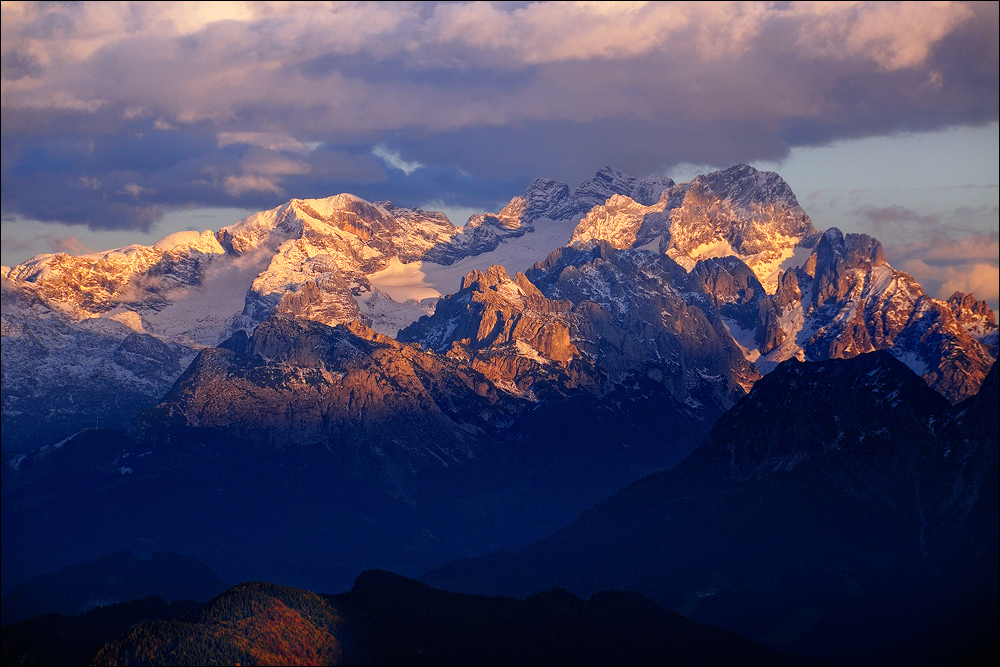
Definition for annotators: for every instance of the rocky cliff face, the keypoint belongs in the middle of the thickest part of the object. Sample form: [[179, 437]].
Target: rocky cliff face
[[806, 295], [619, 221], [508, 330], [847, 300], [320, 270], [605, 184], [635, 315], [591, 319], [99, 283], [976, 317], [547, 199]]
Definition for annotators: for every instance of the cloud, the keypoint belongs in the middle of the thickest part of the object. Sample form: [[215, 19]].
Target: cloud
[[14, 244], [395, 160], [979, 248], [137, 190], [894, 35], [243, 103], [240, 185], [273, 141], [980, 279], [68, 244], [888, 222], [17, 65], [931, 232]]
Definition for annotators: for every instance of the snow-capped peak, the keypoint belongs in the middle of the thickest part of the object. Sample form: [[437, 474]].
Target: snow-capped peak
[[204, 242], [738, 211]]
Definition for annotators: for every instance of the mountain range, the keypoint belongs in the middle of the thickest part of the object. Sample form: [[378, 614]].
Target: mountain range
[[336, 385], [104, 336]]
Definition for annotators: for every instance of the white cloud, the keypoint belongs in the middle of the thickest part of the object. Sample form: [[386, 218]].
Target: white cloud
[[543, 32], [245, 183], [205, 59], [258, 161], [395, 160], [979, 279], [137, 190], [275, 141], [893, 34]]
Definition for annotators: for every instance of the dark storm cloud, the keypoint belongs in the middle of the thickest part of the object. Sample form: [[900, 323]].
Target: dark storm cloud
[[113, 113]]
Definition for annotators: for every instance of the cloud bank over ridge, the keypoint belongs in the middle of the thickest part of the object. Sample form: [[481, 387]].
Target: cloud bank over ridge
[[115, 113]]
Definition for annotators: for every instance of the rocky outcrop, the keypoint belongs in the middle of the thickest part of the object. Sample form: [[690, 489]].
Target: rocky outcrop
[[847, 300], [770, 332], [318, 271], [543, 197], [634, 315], [976, 317], [741, 211], [858, 303], [491, 309], [506, 328], [592, 319], [617, 221], [97, 283], [602, 316], [731, 286], [548, 199]]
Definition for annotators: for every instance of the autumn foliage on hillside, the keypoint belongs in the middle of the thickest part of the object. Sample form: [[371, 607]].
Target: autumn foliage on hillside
[[253, 623]]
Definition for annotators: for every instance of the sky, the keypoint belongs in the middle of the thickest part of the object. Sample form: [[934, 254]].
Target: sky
[[124, 122]]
